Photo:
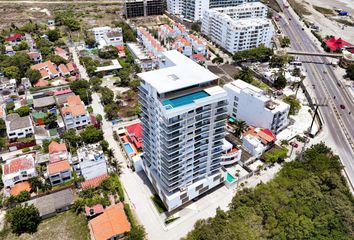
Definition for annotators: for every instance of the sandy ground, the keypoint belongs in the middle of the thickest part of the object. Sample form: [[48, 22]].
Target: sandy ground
[[328, 26]]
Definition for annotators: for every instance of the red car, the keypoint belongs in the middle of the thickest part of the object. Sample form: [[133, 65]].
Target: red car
[[342, 106]]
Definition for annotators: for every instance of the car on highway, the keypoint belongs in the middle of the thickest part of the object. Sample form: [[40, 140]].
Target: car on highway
[[342, 106], [302, 29]]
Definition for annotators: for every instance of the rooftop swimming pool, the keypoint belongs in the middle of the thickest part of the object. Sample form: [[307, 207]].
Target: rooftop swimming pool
[[128, 148], [184, 100]]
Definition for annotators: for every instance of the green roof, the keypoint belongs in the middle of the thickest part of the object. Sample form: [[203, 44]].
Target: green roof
[[39, 115], [53, 132]]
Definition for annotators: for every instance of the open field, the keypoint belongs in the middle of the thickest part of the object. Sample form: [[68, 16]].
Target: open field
[[63, 226], [90, 14]]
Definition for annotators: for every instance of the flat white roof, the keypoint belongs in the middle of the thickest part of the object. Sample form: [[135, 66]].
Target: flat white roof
[[137, 51], [115, 65], [183, 73], [239, 85]]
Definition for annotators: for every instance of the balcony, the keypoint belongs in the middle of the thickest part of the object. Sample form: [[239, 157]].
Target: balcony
[[220, 118], [199, 144]]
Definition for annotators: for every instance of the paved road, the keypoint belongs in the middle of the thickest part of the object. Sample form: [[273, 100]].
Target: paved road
[[325, 86]]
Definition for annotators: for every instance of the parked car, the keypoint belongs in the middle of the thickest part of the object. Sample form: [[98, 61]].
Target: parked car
[[342, 106]]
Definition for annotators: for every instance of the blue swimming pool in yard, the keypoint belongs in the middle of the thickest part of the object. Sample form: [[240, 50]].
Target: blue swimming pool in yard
[[128, 148]]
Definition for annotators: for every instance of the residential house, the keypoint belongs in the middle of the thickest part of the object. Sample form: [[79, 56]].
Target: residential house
[[62, 95], [18, 127], [135, 135], [15, 38], [121, 51], [106, 70], [111, 224], [18, 169], [92, 162], [258, 140], [94, 182], [74, 113], [198, 45], [182, 45], [64, 71], [41, 83], [9, 51], [61, 53], [107, 36], [7, 86], [44, 103], [26, 83], [19, 187], [94, 210], [57, 152], [59, 172], [142, 58], [50, 204], [47, 69], [152, 46], [36, 57]]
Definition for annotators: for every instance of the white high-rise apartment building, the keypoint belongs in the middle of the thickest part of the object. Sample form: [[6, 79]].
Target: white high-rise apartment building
[[238, 28], [250, 104], [183, 113], [193, 9]]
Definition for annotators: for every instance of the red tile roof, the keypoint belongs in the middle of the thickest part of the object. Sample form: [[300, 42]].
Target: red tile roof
[[60, 92], [135, 134], [94, 182], [75, 106], [97, 209], [41, 83], [63, 69], [120, 48], [14, 37], [57, 167], [55, 147], [48, 65], [263, 134], [333, 44], [17, 165], [110, 223], [19, 187]]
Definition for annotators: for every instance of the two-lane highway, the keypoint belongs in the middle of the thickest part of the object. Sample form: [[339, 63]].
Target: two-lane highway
[[326, 87]]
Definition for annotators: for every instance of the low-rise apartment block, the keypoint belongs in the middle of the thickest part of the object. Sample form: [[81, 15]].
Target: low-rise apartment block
[[238, 28], [74, 113], [153, 47], [92, 162], [59, 172], [250, 104]]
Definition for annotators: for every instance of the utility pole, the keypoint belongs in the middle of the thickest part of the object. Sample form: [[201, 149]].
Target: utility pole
[[316, 105]]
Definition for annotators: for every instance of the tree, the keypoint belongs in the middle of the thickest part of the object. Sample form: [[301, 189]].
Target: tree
[[90, 40], [284, 41], [195, 27], [108, 52], [2, 128], [10, 106], [91, 135], [12, 72], [130, 94], [53, 34], [23, 219], [278, 61], [128, 33], [51, 120], [99, 118], [111, 111], [294, 103], [57, 60], [350, 71], [72, 140], [23, 45], [76, 85], [107, 95], [134, 84], [33, 75], [245, 74], [2, 144], [85, 95], [124, 75], [137, 232], [95, 83], [261, 53], [296, 72], [23, 196], [280, 80], [104, 145], [240, 128], [23, 111]]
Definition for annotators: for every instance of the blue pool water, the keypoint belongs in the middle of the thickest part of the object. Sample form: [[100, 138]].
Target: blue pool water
[[184, 100], [128, 148], [230, 178]]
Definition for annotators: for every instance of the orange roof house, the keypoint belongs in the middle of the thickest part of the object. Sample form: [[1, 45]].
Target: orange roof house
[[74, 106], [94, 182], [19, 187], [55, 147], [47, 66], [58, 167], [63, 70], [41, 83], [112, 223], [263, 134]]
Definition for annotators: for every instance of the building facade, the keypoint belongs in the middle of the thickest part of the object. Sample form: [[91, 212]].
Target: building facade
[[193, 9], [143, 8], [238, 28], [18, 127], [92, 162], [74, 113], [250, 104], [183, 113]]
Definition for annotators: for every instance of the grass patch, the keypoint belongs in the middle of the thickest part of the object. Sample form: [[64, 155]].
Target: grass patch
[[324, 11], [275, 154], [259, 84], [66, 225], [129, 214], [158, 203], [344, 21], [299, 8]]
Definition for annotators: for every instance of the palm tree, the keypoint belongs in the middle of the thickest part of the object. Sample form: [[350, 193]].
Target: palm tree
[[240, 128]]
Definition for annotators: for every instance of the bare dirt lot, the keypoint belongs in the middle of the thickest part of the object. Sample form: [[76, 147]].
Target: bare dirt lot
[[327, 18], [90, 14]]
